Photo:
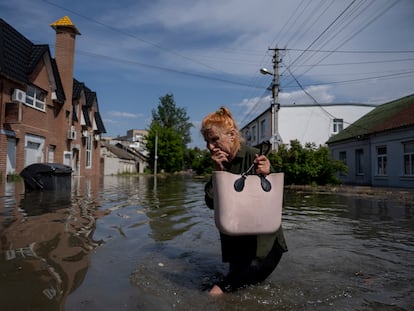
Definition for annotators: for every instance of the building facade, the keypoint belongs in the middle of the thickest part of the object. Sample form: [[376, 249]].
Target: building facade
[[45, 114], [307, 123], [378, 149]]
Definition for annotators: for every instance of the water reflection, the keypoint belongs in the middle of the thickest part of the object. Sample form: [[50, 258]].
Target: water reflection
[[46, 239]]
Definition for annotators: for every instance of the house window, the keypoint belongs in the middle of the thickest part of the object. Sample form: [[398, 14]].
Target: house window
[[382, 161], [88, 157], [342, 158], [338, 125], [263, 129], [254, 139], [409, 159], [359, 161], [36, 98]]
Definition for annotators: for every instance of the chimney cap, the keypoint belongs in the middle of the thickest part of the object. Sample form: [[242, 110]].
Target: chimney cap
[[65, 22]]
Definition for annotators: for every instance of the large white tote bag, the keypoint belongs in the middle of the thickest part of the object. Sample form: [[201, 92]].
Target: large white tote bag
[[250, 211]]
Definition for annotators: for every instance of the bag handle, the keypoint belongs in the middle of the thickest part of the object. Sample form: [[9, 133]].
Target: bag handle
[[266, 185]]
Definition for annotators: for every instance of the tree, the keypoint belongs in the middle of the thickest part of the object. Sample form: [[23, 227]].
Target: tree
[[199, 161], [306, 165], [170, 116], [171, 127]]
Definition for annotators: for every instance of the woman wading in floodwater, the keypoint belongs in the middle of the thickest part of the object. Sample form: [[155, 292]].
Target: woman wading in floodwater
[[251, 258]]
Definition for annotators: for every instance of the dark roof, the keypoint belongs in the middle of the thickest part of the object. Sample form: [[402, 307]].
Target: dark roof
[[91, 98], [19, 57], [389, 116], [59, 87], [99, 122], [85, 112], [77, 89], [15, 52]]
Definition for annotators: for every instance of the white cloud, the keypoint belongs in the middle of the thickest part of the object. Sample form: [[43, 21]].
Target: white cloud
[[121, 114], [320, 93]]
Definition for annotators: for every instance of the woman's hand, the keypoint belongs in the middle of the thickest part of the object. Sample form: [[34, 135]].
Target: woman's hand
[[219, 157], [262, 165]]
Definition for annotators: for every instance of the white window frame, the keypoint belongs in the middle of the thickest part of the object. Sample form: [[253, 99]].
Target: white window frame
[[88, 151], [338, 125], [35, 98]]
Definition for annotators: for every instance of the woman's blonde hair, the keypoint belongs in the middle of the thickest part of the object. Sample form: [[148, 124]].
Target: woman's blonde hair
[[220, 120]]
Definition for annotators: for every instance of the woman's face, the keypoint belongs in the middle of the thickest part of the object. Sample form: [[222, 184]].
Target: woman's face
[[217, 140]]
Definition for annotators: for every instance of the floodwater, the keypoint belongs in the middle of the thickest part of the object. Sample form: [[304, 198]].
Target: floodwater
[[139, 243]]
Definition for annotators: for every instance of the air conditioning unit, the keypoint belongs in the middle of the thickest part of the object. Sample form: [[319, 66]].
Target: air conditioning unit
[[72, 133], [97, 137], [19, 96]]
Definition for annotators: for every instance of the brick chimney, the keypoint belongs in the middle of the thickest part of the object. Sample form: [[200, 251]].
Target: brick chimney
[[65, 53]]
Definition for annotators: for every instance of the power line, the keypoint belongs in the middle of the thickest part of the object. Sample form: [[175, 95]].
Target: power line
[[355, 52], [367, 23], [165, 69], [90, 19]]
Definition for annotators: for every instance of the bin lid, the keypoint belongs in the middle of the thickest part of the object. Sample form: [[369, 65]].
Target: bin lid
[[46, 168]]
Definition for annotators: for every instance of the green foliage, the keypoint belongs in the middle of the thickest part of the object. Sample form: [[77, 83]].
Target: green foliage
[[168, 115], [308, 165], [199, 161], [171, 128]]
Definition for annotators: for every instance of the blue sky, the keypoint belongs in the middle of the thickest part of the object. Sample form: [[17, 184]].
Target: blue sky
[[209, 53]]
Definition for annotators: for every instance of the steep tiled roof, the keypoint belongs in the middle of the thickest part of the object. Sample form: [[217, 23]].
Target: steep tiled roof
[[19, 57], [91, 98], [15, 51], [99, 122], [77, 89], [85, 113], [392, 115], [59, 87], [36, 55]]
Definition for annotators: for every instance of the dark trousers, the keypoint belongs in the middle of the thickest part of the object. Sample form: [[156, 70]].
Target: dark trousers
[[252, 272]]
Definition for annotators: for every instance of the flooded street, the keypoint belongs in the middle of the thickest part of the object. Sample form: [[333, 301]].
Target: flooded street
[[139, 243]]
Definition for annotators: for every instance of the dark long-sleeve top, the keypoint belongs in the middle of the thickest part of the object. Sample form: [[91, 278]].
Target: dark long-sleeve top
[[246, 247]]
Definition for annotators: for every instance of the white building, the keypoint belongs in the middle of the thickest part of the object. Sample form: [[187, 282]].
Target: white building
[[307, 123]]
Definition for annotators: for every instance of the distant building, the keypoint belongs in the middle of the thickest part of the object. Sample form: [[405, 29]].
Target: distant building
[[125, 154], [45, 114], [119, 159], [135, 139], [378, 148], [307, 123]]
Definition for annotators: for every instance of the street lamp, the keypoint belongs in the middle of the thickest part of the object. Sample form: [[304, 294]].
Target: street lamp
[[265, 71]]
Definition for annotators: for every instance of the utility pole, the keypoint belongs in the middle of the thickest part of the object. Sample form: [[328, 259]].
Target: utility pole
[[275, 106], [155, 153]]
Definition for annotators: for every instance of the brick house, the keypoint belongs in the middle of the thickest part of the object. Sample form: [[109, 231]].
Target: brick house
[[45, 114]]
